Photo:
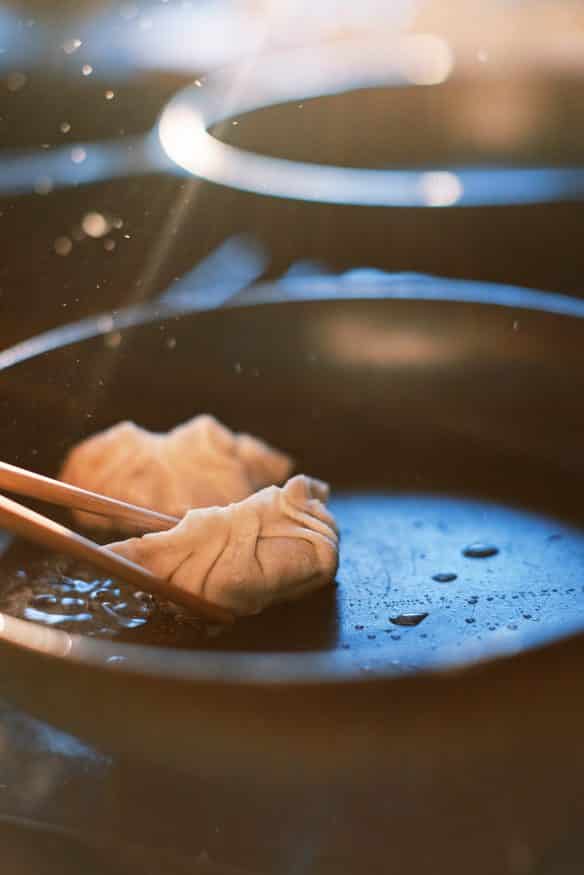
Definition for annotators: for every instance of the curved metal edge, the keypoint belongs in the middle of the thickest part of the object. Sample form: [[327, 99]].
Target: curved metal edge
[[358, 284], [272, 668], [227, 668], [185, 131]]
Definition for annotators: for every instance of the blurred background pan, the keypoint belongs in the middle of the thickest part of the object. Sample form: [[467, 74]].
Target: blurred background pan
[[498, 91]]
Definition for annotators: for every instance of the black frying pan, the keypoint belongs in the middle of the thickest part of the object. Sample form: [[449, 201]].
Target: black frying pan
[[444, 414]]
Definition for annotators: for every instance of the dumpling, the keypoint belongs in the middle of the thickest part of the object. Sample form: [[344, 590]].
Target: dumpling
[[198, 464], [278, 545]]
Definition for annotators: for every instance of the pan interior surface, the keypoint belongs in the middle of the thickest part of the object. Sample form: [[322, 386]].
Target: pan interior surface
[[431, 580], [452, 441]]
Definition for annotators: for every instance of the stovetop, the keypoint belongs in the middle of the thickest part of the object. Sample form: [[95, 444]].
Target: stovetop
[[66, 807]]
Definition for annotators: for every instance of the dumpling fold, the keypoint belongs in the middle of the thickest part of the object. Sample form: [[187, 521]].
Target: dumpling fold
[[277, 545]]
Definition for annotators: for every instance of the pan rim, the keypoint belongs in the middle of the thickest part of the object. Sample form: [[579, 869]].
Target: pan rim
[[277, 667], [356, 285]]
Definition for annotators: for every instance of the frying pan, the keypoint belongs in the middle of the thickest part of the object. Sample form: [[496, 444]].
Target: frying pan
[[443, 413]]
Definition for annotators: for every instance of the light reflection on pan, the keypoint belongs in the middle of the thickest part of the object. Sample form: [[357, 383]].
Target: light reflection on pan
[[182, 144]]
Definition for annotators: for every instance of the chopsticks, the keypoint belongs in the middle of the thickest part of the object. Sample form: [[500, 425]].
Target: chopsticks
[[42, 530], [33, 485]]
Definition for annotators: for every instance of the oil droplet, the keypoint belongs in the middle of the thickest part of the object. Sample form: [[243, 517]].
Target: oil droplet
[[104, 595], [95, 225], [478, 550], [71, 605], [44, 601], [62, 246], [87, 69], [71, 45], [408, 619], [444, 577], [78, 155]]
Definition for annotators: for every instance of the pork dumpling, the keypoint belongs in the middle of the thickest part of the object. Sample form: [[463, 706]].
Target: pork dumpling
[[198, 464], [278, 545]]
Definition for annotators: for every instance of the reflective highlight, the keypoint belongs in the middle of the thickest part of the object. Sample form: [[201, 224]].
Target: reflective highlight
[[42, 171], [181, 142], [184, 134]]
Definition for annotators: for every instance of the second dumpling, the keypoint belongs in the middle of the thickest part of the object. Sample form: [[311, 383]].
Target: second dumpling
[[200, 463]]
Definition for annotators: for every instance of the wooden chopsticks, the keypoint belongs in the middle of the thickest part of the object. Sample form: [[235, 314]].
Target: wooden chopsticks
[[42, 530], [33, 485]]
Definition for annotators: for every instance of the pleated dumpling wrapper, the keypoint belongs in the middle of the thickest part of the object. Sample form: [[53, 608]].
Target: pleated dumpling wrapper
[[278, 545], [200, 463]]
